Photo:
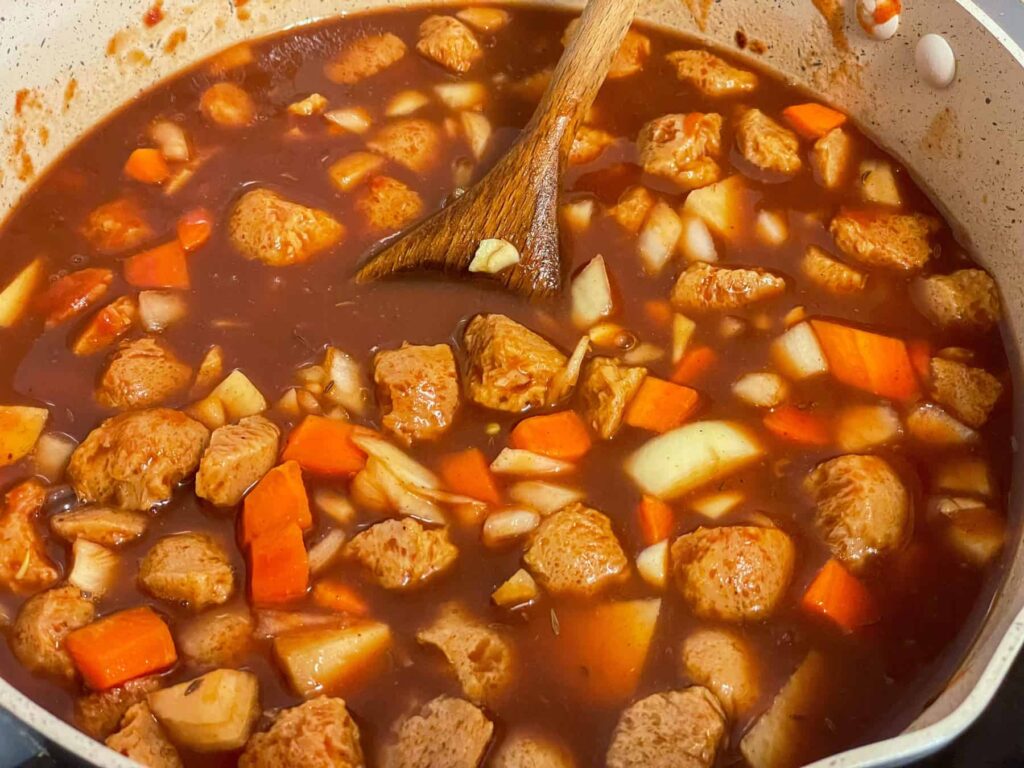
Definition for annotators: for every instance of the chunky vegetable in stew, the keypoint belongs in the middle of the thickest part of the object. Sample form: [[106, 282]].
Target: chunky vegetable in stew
[[732, 499]]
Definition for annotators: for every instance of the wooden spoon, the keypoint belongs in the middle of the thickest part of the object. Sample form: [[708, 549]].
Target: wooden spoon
[[517, 200]]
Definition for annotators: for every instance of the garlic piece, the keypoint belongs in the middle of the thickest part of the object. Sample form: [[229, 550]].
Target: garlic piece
[[494, 255], [879, 18], [936, 63]]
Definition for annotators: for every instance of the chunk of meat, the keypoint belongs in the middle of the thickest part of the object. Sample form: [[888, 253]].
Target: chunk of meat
[[135, 459], [830, 158], [24, 565], [682, 148], [575, 552], [734, 573], [863, 508], [766, 144], [704, 288], [266, 227], [418, 390], [412, 142], [238, 456], [445, 733], [117, 226], [629, 59], [722, 662], [675, 729], [99, 713], [387, 203], [511, 368], [37, 638], [142, 739], [710, 74], [965, 300], [450, 43], [106, 326], [142, 373], [402, 554], [319, 733], [106, 526], [188, 568], [73, 294], [480, 656], [831, 274], [968, 393], [216, 639], [227, 105], [890, 240], [605, 392], [588, 145], [525, 750], [365, 57]]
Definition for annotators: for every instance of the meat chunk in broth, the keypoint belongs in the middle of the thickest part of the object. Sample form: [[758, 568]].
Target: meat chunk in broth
[[831, 274], [706, 288], [629, 59], [897, 241], [710, 74], [135, 460], [264, 226], [830, 158], [142, 739], [99, 713], [388, 204], [236, 458], [227, 105], [863, 508], [24, 565], [525, 750], [967, 392], [43, 622], [721, 661], [365, 57], [965, 300], [319, 733], [402, 554], [418, 390], [676, 729], [190, 568], [682, 148], [412, 142], [450, 43], [142, 373], [606, 389], [118, 226], [216, 639], [445, 731], [766, 144]]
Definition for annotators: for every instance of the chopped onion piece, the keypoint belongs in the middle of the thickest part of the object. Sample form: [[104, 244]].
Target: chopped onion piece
[[326, 551], [403, 466], [658, 237], [347, 387], [878, 183], [519, 590], [405, 103], [771, 228], [459, 96], [546, 498], [507, 525], [696, 242], [643, 354], [353, 119], [401, 498], [761, 390], [314, 104], [652, 564], [591, 294], [478, 132], [53, 451], [335, 504], [715, 505], [159, 309], [366, 492], [577, 215], [94, 568], [289, 403], [171, 140], [514, 461], [564, 381]]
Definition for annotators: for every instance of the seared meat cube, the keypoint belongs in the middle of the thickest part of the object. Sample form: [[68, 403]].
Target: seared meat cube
[[143, 740], [135, 459], [37, 638], [830, 158], [722, 662], [511, 368], [449, 42], [99, 713], [317, 734], [266, 227], [117, 226], [412, 142], [890, 240], [676, 729], [522, 750], [588, 145], [365, 57], [142, 373], [402, 554], [606, 390], [227, 105], [106, 526], [831, 274], [863, 508], [711, 75], [389, 204], [963, 300], [703, 288], [236, 458], [629, 59], [766, 144], [575, 552], [681, 148], [418, 390], [188, 568], [216, 639], [632, 208], [968, 393], [445, 733], [24, 564], [735, 573], [480, 656]]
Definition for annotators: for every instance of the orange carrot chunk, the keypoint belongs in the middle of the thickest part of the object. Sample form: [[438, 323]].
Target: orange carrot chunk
[[840, 596], [920, 352], [868, 361], [121, 647], [147, 165], [886, 9], [467, 472], [791, 423], [561, 435], [278, 566], [278, 500], [194, 228], [693, 365], [661, 405], [659, 313], [812, 121], [160, 267], [337, 596], [324, 446], [656, 520], [68, 296]]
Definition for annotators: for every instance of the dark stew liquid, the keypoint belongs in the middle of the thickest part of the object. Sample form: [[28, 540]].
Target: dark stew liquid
[[827, 429]]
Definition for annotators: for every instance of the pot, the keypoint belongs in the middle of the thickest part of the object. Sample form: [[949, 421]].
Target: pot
[[65, 66]]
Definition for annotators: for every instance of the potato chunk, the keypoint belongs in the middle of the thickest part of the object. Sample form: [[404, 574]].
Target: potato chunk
[[710, 74], [266, 227], [450, 43], [766, 144], [682, 148], [402, 554], [890, 240], [20, 428], [973, 532], [236, 458], [188, 568], [142, 373], [677, 729], [212, 713], [365, 57], [333, 660]]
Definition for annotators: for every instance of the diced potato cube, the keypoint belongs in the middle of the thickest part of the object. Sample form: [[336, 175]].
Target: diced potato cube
[[350, 171], [878, 183], [507, 525], [333, 661], [695, 241], [930, 424], [798, 354], [761, 390], [53, 451], [15, 298], [171, 140], [93, 568], [352, 119], [20, 428], [484, 19], [794, 316], [210, 370], [863, 427], [576, 216], [771, 228], [716, 505], [239, 396], [652, 564], [460, 96], [719, 205], [972, 531], [591, 294], [632, 208], [515, 461], [544, 497], [682, 331], [961, 475], [209, 411], [404, 103], [658, 237], [518, 590], [160, 309], [213, 713], [478, 132]]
